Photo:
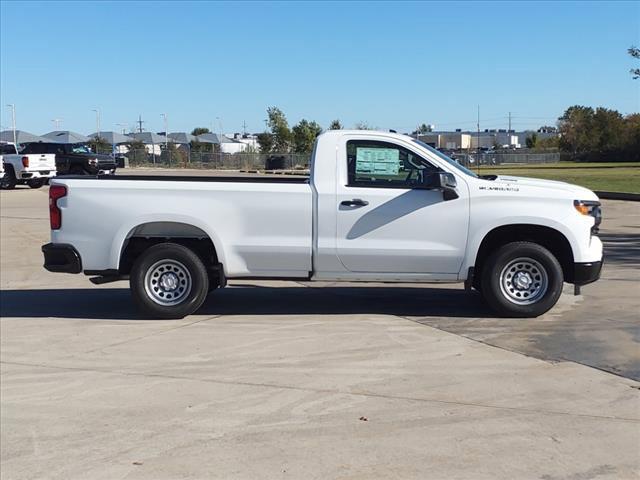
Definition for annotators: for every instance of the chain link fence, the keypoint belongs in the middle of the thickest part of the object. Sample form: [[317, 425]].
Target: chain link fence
[[219, 161], [500, 158]]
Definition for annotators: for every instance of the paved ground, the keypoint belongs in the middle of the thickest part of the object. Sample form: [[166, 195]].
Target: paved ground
[[276, 380]]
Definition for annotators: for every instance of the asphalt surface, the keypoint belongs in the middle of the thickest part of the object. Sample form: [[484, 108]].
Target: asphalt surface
[[288, 380]]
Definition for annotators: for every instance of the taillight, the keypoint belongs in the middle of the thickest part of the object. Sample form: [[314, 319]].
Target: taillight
[[25, 162], [55, 215]]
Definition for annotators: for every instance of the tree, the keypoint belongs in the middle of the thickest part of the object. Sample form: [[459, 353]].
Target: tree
[[304, 135], [265, 142], [608, 130], [277, 122], [532, 140], [601, 134], [422, 129], [549, 143], [100, 145], [363, 126], [199, 131], [137, 152], [173, 154], [635, 53], [335, 125], [576, 129]]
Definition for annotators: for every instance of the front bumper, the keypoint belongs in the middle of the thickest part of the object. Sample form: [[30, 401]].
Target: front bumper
[[61, 257], [584, 273]]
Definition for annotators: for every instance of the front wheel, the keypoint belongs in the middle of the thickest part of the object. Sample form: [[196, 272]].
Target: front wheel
[[169, 281], [522, 279], [35, 183]]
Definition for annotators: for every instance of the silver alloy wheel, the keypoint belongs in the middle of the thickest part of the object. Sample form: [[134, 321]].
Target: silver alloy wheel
[[167, 282], [524, 281]]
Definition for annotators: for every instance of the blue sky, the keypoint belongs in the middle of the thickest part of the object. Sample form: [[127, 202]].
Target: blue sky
[[392, 65]]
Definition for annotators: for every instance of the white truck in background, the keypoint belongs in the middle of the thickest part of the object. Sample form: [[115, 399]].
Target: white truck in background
[[378, 207], [34, 169]]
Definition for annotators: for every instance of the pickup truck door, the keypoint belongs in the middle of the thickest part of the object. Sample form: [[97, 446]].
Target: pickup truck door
[[387, 222]]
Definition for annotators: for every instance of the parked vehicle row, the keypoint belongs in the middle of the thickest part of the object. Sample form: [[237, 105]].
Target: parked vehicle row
[[38, 162], [378, 207]]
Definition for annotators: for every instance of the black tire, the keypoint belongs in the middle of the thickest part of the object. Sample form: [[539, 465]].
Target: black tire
[[522, 279], [8, 182], [182, 267], [35, 183]]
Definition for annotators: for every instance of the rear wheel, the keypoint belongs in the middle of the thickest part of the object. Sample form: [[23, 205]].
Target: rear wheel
[[35, 183], [169, 281], [522, 279], [9, 181]]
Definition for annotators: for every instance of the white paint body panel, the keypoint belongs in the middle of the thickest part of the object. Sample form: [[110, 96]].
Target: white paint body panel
[[299, 229]]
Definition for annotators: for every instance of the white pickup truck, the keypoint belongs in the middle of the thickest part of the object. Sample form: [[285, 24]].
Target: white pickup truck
[[378, 207], [33, 169]]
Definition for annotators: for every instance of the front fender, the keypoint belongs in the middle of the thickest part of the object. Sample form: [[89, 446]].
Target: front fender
[[479, 232]]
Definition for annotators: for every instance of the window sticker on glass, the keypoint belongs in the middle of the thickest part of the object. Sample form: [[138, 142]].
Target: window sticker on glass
[[381, 161]]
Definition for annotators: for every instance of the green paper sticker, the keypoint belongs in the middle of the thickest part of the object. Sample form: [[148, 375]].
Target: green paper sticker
[[380, 161]]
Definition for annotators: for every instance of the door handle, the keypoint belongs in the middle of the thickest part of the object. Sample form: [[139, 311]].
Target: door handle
[[356, 202]]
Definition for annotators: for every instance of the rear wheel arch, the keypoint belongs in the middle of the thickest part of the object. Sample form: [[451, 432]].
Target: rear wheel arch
[[550, 238], [146, 235]]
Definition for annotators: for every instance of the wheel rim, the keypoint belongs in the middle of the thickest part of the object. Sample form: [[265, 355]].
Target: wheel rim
[[168, 282], [524, 281]]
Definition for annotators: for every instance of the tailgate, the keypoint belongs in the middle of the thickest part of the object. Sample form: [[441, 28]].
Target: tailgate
[[45, 161]]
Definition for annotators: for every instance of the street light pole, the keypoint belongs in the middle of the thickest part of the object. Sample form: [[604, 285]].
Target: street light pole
[[166, 129], [56, 123], [97, 122], [13, 122]]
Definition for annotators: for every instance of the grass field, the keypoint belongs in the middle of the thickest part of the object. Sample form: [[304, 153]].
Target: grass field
[[610, 177]]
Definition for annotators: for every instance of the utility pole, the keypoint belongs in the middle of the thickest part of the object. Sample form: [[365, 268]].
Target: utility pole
[[97, 122], [166, 131], [478, 144], [509, 123], [220, 125], [140, 122], [13, 122], [244, 128], [56, 123]]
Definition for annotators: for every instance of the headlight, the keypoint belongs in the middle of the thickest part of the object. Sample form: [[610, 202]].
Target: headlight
[[591, 208], [93, 162]]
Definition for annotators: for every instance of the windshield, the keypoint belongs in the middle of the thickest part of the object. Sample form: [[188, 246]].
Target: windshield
[[442, 156], [80, 149]]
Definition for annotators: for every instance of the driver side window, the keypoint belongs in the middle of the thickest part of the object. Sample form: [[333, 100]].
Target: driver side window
[[383, 164]]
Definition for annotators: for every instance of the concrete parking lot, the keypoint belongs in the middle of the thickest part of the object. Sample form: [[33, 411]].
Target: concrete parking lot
[[288, 380]]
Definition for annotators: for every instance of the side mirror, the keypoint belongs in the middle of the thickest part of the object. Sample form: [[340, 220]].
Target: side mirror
[[442, 181], [448, 180]]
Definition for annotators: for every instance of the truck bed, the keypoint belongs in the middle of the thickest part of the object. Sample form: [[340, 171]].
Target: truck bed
[[249, 178]]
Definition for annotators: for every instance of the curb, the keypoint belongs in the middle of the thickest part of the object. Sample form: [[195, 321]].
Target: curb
[[633, 197]]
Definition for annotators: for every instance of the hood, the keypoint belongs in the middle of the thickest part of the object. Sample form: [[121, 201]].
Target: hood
[[578, 192]]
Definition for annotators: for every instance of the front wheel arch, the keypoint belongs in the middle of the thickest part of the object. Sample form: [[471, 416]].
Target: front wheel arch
[[551, 239]]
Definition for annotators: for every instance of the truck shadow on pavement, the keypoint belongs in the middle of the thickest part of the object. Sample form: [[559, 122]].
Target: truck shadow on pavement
[[116, 303]]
